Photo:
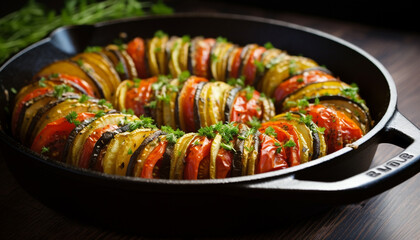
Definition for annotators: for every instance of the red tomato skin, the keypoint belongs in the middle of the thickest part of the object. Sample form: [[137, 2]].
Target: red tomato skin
[[224, 160], [202, 57], [195, 154], [55, 134], [298, 81], [340, 130], [243, 110], [136, 50], [187, 102], [137, 98], [269, 159], [90, 144], [153, 160], [250, 68]]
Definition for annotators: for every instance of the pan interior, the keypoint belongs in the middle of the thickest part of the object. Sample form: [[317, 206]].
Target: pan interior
[[348, 62]]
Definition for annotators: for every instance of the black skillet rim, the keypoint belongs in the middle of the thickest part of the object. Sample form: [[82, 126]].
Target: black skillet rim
[[391, 109]]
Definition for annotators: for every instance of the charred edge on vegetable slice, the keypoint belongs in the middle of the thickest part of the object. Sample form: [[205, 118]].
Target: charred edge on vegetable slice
[[197, 100], [102, 142], [237, 165], [44, 110], [229, 102], [95, 81], [139, 150]]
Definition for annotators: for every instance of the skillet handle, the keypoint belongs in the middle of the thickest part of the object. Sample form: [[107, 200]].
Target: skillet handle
[[364, 185]]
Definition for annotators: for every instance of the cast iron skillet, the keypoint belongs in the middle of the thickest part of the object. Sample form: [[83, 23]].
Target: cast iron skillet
[[211, 206]]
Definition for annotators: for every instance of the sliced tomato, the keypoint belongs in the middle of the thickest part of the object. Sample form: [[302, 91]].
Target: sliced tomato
[[90, 144], [35, 93], [340, 130], [73, 80], [138, 97], [236, 63], [203, 56], [223, 163], [250, 68], [52, 138], [280, 128], [136, 48], [270, 158], [246, 106], [296, 82], [152, 162], [186, 102], [197, 152]]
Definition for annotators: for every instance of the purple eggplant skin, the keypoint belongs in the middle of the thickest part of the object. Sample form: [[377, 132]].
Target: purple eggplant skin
[[165, 165], [42, 111], [139, 150], [197, 100], [239, 150], [98, 85], [229, 103]]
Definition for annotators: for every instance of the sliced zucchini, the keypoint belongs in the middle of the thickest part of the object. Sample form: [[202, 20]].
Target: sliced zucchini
[[214, 150], [179, 154], [78, 142]]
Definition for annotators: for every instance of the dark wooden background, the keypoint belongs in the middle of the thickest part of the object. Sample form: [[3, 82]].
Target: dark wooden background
[[394, 214]]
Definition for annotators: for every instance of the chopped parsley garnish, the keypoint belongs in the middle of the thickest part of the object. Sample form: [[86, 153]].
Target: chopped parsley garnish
[[208, 132], [260, 66], [59, 90], [270, 131], [213, 58], [316, 102], [249, 92], [196, 143], [183, 76], [143, 122], [13, 90], [227, 146], [171, 134], [160, 34], [136, 82], [130, 151], [71, 118], [128, 111], [99, 113], [290, 143], [186, 38], [299, 80], [93, 49], [104, 102], [220, 39], [41, 82], [268, 45], [83, 98], [293, 67], [45, 150], [157, 49], [236, 81], [120, 68], [288, 116], [254, 123], [352, 93]]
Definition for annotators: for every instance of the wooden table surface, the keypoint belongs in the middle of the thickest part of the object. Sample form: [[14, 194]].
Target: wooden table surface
[[394, 214]]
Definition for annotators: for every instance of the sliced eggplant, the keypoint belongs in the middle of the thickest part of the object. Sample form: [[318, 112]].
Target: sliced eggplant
[[121, 148], [75, 149], [33, 125], [238, 164], [28, 111], [231, 95], [141, 153], [54, 111], [200, 98]]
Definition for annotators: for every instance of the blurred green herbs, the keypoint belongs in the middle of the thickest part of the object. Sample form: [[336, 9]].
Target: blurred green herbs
[[34, 21]]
